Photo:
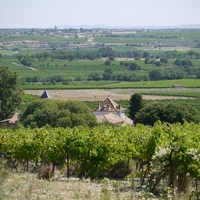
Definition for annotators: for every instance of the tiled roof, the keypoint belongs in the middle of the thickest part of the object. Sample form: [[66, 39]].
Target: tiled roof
[[108, 105], [11, 120], [45, 95]]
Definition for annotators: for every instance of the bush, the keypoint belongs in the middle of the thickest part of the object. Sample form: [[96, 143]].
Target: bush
[[166, 112], [57, 114]]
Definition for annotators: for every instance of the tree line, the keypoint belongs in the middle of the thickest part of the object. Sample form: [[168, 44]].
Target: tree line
[[107, 52]]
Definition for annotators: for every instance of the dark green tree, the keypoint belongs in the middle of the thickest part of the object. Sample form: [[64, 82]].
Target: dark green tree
[[10, 92], [106, 51], [135, 104], [57, 113], [158, 63], [156, 74], [145, 54], [166, 112], [137, 54], [26, 62], [108, 74], [94, 76], [134, 66], [107, 62], [164, 60]]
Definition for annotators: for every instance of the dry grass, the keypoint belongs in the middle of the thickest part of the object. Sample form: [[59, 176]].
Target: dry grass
[[25, 186], [97, 94]]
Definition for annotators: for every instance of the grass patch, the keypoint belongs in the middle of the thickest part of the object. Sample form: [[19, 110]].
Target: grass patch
[[25, 186]]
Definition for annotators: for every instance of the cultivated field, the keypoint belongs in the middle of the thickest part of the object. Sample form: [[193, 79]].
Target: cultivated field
[[100, 94]]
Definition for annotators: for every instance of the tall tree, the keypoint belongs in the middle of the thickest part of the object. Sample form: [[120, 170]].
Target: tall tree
[[10, 92], [135, 104]]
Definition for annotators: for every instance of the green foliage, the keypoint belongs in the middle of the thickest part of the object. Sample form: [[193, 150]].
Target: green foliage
[[108, 74], [135, 104], [57, 114], [134, 66], [107, 62], [166, 112], [26, 62], [166, 74], [164, 60], [10, 92], [106, 51], [167, 150]]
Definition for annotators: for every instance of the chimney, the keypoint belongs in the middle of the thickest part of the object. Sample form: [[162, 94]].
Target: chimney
[[99, 105], [119, 110]]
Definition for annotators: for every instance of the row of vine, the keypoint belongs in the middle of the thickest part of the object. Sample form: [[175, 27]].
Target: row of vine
[[170, 152]]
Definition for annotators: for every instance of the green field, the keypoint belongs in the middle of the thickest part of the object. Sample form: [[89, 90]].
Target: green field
[[62, 73], [186, 83]]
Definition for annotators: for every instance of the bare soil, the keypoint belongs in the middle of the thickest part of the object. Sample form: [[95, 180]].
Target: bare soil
[[97, 94]]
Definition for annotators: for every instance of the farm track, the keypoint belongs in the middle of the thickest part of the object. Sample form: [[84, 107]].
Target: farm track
[[101, 94]]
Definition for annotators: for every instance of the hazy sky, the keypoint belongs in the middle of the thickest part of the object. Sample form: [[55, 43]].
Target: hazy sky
[[48, 13]]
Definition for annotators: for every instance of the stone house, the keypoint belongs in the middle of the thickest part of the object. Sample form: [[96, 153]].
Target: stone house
[[110, 111]]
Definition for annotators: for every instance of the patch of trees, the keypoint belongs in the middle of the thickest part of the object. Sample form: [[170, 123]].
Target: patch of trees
[[107, 62], [109, 74], [105, 52], [177, 55], [166, 74], [136, 54], [181, 69], [57, 113], [187, 66], [132, 66], [109, 52], [47, 80], [26, 62], [155, 61], [76, 55], [166, 112], [183, 62], [170, 112]]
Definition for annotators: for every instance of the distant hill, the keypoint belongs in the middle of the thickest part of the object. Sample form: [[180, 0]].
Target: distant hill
[[184, 26]]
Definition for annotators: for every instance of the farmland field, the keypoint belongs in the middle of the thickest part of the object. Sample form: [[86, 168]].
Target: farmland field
[[59, 59], [115, 94]]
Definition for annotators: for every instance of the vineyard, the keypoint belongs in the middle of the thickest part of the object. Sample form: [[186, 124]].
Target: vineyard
[[166, 156]]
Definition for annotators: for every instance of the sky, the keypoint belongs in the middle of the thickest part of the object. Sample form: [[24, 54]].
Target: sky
[[111, 13]]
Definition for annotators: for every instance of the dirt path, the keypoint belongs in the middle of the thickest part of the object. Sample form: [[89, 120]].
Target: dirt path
[[96, 95]]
